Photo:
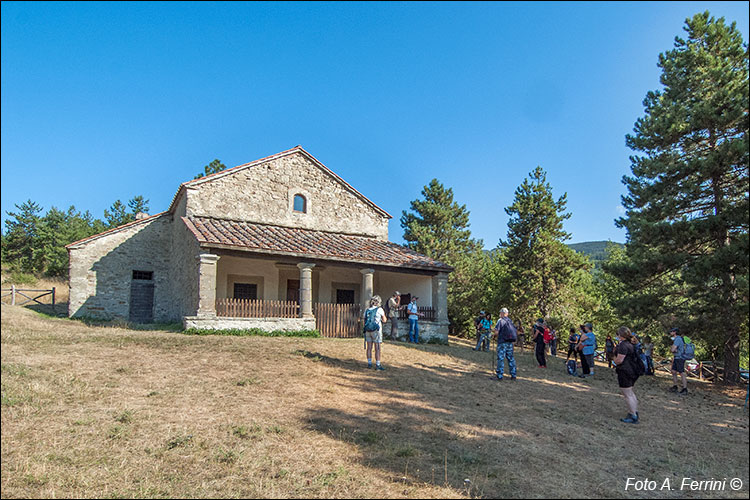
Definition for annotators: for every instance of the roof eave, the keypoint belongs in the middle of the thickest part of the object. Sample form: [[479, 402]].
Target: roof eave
[[327, 258], [71, 246]]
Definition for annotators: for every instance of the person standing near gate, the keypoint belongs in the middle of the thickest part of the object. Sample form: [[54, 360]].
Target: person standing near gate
[[414, 315], [394, 304], [506, 337], [374, 319]]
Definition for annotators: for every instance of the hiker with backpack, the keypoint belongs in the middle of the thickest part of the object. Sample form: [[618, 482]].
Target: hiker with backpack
[[373, 329], [483, 332], [506, 336], [547, 338], [683, 350], [587, 346], [628, 368], [572, 343]]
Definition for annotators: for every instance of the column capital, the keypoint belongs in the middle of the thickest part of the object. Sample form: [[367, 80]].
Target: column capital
[[367, 271], [305, 265], [207, 258]]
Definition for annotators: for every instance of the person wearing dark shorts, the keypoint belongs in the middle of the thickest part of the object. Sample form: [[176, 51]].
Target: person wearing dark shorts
[[678, 363], [572, 343], [625, 361]]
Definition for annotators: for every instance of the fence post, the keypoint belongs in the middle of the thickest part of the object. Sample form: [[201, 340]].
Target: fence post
[[53, 298], [12, 295]]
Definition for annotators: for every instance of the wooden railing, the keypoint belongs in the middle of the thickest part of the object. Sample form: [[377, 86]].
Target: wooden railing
[[250, 308], [14, 294], [429, 314], [338, 320]]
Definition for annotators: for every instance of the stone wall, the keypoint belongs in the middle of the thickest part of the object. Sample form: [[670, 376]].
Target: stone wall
[[264, 193], [428, 330], [101, 271], [184, 266], [265, 324]]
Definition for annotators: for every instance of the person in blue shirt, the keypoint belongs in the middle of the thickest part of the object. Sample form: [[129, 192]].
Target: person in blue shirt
[[506, 337], [588, 341], [678, 363], [483, 324], [414, 315]]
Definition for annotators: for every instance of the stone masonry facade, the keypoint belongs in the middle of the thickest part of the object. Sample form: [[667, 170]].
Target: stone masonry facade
[[264, 193], [183, 267]]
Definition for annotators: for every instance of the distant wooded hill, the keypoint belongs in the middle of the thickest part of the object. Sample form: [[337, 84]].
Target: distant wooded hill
[[595, 250]]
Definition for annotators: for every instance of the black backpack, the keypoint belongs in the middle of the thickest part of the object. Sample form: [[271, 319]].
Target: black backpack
[[636, 365], [508, 331]]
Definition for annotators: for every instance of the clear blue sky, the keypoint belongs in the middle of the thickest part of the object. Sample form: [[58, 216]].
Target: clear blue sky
[[105, 101]]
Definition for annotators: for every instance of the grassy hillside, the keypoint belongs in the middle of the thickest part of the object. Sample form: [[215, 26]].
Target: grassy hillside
[[596, 250], [109, 412]]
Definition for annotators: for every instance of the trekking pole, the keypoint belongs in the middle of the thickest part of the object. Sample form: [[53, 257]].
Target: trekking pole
[[492, 357]]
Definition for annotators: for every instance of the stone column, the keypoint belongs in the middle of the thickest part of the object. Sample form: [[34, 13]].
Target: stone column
[[207, 284], [367, 286], [305, 289], [440, 296]]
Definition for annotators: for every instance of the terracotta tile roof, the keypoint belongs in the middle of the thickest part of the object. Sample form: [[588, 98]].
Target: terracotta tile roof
[[114, 230], [309, 243]]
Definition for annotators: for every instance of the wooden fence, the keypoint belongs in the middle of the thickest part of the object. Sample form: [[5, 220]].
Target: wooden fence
[[250, 308], [429, 314], [19, 294], [338, 320]]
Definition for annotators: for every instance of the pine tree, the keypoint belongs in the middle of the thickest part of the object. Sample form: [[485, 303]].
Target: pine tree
[[21, 234], [138, 205], [687, 201], [439, 228], [117, 215], [541, 269], [212, 168]]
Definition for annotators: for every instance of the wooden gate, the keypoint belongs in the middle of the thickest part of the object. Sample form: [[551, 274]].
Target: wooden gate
[[338, 320]]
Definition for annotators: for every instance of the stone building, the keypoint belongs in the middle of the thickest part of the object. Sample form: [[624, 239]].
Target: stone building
[[281, 243]]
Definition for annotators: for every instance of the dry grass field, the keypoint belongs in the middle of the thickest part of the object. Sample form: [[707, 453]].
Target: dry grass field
[[93, 411]]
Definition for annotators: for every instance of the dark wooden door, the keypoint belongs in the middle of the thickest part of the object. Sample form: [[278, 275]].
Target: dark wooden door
[[292, 290], [344, 296], [142, 301]]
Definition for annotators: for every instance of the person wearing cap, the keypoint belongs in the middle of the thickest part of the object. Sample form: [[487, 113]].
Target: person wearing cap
[[538, 338], [678, 363], [414, 315], [483, 325], [506, 337], [394, 304]]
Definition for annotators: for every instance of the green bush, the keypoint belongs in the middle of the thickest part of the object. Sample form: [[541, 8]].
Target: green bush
[[21, 278], [253, 332]]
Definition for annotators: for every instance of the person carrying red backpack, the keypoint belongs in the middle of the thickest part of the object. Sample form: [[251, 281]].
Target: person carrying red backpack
[[547, 336]]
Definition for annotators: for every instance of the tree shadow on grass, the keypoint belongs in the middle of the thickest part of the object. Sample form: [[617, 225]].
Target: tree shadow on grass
[[447, 423]]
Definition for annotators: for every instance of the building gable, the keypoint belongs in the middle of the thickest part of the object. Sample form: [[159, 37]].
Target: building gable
[[290, 189]]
